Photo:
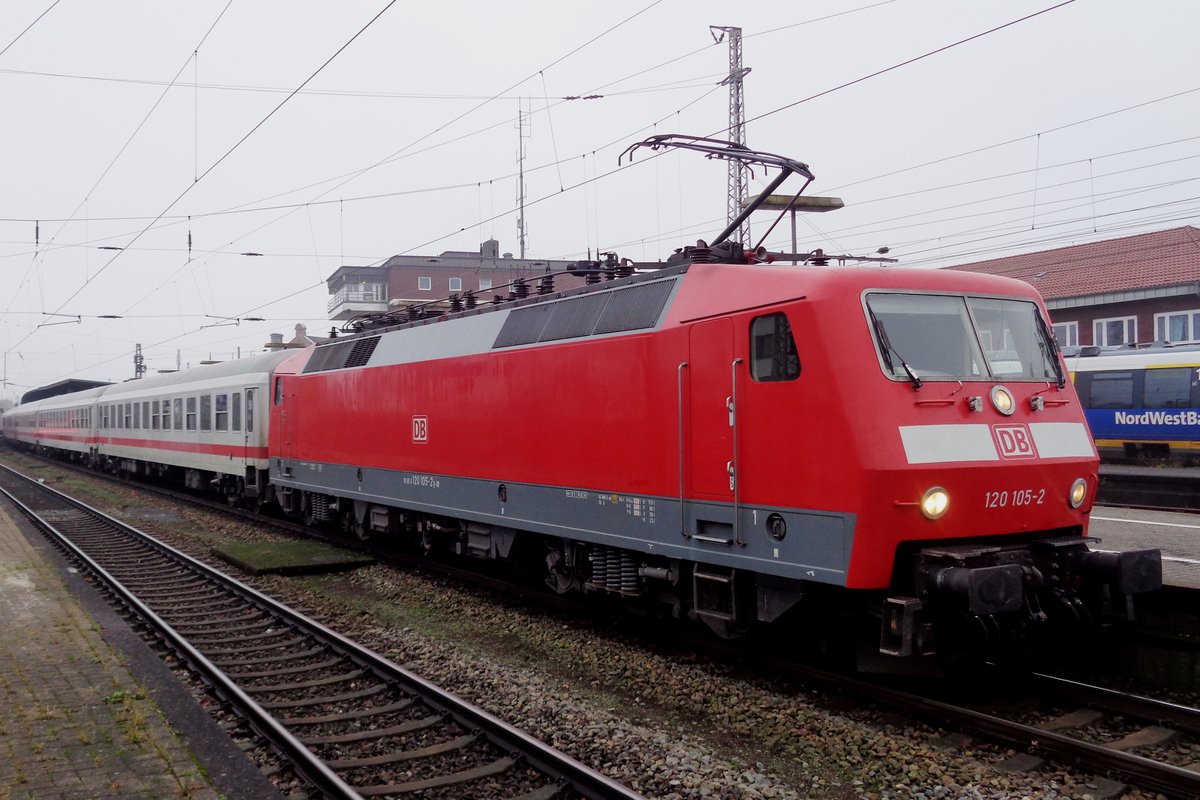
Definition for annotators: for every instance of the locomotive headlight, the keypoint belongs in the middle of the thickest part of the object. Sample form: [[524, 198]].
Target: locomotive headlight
[[1002, 400], [934, 502], [1078, 493]]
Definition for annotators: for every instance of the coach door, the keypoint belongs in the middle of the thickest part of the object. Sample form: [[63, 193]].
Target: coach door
[[712, 462], [251, 436]]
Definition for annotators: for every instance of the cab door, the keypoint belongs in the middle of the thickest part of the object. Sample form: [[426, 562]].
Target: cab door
[[711, 369]]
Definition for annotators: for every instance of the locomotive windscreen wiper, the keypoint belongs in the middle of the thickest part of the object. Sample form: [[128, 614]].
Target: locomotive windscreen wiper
[[888, 351], [1050, 344]]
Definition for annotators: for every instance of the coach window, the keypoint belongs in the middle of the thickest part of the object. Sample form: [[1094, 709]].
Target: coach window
[[206, 412], [250, 410], [146, 414], [773, 349], [222, 404], [1111, 390], [1169, 388], [129, 416], [236, 412], [191, 413], [155, 418]]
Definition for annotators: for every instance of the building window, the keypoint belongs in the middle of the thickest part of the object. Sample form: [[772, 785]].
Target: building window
[[1177, 326], [424, 283], [485, 283], [456, 284], [1115, 331], [1066, 334]]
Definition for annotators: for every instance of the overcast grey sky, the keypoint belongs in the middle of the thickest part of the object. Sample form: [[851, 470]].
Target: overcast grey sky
[[122, 119]]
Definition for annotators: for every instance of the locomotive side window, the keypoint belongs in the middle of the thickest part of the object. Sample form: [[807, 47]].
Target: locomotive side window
[[279, 391], [773, 349]]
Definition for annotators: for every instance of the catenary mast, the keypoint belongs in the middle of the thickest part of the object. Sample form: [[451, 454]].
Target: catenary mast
[[738, 173]]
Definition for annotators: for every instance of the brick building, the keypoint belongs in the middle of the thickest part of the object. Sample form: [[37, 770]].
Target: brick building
[[1136, 289], [404, 280]]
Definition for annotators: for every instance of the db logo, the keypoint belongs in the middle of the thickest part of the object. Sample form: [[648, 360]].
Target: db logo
[[420, 428], [1014, 441]]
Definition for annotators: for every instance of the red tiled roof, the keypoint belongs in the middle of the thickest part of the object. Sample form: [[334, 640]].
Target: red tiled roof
[[1162, 258]]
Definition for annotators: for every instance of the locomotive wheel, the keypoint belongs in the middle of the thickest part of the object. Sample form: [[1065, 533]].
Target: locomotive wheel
[[306, 515], [357, 529]]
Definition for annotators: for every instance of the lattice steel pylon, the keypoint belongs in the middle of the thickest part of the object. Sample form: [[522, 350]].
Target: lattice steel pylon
[[738, 172]]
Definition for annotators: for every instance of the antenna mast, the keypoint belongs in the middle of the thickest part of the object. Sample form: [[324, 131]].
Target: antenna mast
[[738, 171]]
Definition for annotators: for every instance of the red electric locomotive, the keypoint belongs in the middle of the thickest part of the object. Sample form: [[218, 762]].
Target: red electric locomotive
[[733, 437]]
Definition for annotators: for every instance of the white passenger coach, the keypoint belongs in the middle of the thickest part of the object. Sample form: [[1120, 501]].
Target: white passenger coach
[[211, 424]]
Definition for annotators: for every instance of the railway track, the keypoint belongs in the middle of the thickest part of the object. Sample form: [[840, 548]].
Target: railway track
[[1100, 734], [349, 721], [1159, 488], [1074, 737]]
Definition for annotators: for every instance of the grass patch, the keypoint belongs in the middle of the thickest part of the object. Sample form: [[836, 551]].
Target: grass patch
[[289, 558]]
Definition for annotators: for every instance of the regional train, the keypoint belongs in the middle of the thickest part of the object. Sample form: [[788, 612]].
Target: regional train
[[732, 440], [1142, 404]]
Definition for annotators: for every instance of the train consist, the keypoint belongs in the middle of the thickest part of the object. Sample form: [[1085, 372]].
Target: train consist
[[737, 440], [1142, 404]]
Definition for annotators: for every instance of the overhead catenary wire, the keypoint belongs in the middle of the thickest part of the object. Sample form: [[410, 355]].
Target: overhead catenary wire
[[557, 161], [38, 19]]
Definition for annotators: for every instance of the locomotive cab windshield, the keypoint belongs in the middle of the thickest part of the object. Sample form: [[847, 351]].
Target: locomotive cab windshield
[[951, 337]]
